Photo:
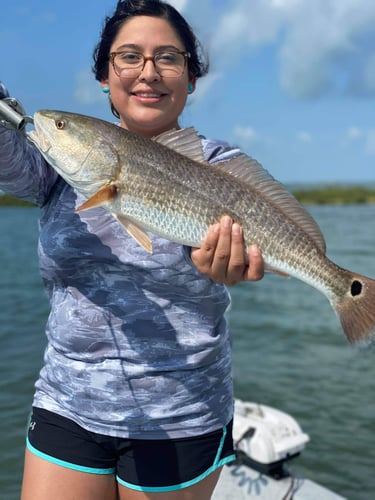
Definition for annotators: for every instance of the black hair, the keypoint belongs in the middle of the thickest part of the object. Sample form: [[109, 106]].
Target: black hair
[[126, 9]]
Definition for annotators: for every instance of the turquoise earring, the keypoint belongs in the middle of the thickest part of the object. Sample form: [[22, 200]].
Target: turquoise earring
[[106, 89], [190, 88]]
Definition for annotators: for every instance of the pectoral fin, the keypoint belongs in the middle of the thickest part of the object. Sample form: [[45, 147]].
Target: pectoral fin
[[101, 197], [137, 233]]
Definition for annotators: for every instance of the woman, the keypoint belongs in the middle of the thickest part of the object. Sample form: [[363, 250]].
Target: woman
[[134, 400]]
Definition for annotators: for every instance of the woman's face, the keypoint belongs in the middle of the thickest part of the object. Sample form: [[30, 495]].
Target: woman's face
[[148, 104]]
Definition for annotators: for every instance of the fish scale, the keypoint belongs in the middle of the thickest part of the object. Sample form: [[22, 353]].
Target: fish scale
[[165, 186]]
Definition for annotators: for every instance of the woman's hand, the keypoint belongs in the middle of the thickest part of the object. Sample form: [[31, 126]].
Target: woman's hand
[[222, 256]]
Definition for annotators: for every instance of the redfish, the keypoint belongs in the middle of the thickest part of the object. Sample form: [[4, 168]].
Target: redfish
[[165, 186]]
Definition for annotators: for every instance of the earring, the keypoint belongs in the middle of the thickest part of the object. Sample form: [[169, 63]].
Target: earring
[[106, 89], [190, 88]]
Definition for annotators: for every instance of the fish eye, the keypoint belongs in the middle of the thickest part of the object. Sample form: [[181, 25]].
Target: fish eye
[[60, 124]]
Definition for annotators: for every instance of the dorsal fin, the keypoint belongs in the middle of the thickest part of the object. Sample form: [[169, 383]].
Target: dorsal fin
[[188, 143], [185, 141], [251, 172]]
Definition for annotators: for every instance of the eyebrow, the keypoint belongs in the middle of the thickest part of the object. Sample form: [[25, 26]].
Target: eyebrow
[[138, 48]]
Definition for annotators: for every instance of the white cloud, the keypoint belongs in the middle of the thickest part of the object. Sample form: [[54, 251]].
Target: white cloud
[[353, 134], [363, 140], [320, 51], [305, 137], [246, 134], [323, 45], [87, 89], [205, 84], [180, 5], [243, 25]]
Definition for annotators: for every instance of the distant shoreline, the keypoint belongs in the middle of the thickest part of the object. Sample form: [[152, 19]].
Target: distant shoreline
[[325, 195], [9, 201], [335, 195]]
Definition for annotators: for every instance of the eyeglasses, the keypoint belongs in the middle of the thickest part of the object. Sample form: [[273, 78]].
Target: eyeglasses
[[168, 63]]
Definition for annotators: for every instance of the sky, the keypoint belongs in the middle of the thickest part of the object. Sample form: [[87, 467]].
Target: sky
[[292, 82]]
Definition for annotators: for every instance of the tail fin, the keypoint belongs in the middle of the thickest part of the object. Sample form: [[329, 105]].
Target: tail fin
[[357, 311]]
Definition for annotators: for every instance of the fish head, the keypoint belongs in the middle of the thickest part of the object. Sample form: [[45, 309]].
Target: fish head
[[80, 148]]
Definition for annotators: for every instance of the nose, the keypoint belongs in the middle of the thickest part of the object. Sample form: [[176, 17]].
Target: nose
[[149, 72]]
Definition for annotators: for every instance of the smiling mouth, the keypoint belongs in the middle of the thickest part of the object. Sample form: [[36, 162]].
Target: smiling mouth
[[149, 95]]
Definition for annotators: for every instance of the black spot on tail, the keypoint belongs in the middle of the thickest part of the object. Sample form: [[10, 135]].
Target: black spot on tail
[[356, 288]]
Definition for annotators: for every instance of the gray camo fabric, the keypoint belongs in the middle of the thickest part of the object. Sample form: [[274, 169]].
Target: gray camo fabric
[[138, 344]]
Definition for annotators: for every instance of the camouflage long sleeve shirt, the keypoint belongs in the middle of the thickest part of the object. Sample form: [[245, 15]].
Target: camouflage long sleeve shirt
[[138, 344]]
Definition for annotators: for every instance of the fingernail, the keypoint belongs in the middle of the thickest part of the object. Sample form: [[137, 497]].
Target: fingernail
[[227, 221], [254, 250], [236, 229], [216, 228]]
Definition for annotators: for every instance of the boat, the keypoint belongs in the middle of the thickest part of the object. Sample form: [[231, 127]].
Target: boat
[[266, 440]]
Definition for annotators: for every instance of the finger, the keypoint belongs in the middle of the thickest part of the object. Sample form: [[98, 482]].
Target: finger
[[202, 257], [237, 264], [222, 252], [255, 271]]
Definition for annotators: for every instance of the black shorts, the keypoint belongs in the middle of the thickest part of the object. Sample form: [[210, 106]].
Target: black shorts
[[143, 465]]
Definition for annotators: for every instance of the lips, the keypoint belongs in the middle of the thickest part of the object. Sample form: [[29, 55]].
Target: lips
[[148, 95]]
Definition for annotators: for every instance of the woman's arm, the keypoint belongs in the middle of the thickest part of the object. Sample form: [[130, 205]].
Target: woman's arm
[[23, 171]]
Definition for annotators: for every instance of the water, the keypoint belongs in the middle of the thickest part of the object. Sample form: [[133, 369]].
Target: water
[[289, 352]]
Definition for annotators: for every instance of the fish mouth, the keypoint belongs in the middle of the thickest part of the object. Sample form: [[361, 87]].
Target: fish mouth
[[39, 141]]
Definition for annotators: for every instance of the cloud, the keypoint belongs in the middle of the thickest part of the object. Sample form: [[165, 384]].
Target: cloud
[[353, 134], [180, 5], [205, 84], [329, 53], [245, 134], [304, 137], [324, 46], [364, 139], [242, 25]]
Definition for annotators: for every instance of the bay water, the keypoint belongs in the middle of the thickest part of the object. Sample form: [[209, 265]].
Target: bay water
[[289, 352]]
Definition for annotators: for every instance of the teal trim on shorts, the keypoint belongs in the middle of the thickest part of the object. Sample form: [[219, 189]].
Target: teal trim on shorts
[[163, 489], [67, 465], [220, 447], [175, 487]]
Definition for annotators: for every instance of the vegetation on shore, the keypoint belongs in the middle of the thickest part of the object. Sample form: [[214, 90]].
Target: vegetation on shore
[[323, 195], [9, 201], [335, 195]]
